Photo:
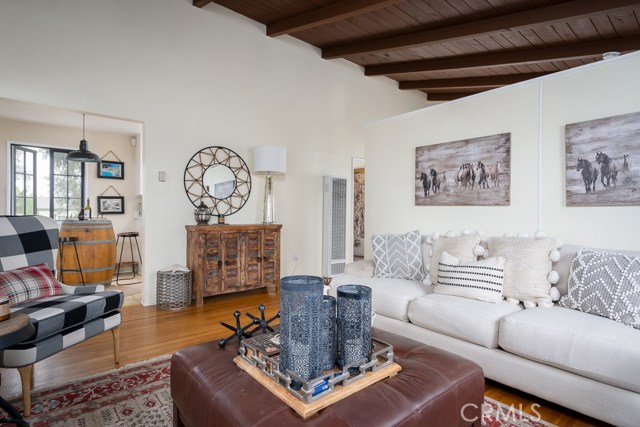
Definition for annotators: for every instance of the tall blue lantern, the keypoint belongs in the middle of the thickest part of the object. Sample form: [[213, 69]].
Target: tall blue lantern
[[353, 324], [300, 326]]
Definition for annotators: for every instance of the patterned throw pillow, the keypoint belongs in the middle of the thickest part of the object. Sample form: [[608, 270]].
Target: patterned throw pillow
[[527, 267], [605, 284], [398, 256], [28, 284], [481, 280], [461, 246]]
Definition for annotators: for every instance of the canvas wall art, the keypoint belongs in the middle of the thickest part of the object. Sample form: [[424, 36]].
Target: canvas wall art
[[600, 156], [471, 172]]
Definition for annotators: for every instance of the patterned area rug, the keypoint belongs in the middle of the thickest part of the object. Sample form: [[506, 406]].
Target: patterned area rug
[[138, 395]]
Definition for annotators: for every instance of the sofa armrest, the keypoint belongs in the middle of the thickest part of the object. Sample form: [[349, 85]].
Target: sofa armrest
[[77, 290], [362, 268]]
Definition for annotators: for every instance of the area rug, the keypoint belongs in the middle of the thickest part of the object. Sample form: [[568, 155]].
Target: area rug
[[138, 395]]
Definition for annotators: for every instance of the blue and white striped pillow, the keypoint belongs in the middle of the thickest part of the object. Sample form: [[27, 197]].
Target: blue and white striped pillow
[[481, 280]]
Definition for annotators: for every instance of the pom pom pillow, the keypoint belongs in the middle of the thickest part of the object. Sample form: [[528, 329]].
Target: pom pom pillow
[[527, 269], [398, 256], [481, 280], [605, 284], [28, 284], [465, 247]]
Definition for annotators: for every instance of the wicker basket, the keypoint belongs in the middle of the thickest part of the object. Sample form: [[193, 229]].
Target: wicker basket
[[173, 290]]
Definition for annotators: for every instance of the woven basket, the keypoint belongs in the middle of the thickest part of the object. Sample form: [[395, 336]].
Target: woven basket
[[173, 290]]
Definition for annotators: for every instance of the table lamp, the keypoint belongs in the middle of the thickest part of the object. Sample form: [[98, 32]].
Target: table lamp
[[269, 160]]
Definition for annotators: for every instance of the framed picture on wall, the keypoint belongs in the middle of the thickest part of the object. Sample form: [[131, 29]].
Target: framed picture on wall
[[110, 169], [110, 205], [599, 161], [469, 172]]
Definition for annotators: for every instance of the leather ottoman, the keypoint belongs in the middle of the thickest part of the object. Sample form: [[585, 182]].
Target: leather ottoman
[[434, 388]]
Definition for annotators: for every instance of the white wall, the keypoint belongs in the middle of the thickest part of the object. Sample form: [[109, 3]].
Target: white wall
[[535, 113], [199, 77]]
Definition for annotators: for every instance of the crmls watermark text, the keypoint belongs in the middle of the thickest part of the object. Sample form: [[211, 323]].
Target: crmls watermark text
[[499, 412]]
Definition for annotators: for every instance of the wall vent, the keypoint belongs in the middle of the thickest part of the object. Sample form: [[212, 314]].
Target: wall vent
[[334, 226]]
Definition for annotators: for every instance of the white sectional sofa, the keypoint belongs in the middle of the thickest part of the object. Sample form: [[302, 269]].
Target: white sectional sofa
[[584, 362]]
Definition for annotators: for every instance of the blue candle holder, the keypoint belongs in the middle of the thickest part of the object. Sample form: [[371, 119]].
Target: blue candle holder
[[328, 332], [300, 326], [353, 324]]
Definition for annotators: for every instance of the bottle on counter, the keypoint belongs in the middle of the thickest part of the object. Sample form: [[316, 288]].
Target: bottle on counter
[[81, 215], [87, 210]]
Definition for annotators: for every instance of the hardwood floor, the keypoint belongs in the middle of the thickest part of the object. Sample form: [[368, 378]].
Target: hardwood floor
[[147, 332]]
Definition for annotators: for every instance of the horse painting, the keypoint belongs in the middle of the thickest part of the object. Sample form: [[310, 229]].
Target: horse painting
[[482, 175], [589, 174], [608, 169], [625, 164], [426, 183]]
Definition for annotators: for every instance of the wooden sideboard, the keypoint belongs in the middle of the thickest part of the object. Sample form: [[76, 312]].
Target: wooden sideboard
[[233, 258]]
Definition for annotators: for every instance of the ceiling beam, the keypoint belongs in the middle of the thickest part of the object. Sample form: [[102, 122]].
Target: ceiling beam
[[529, 56], [468, 83], [448, 96], [202, 3], [326, 15], [544, 15]]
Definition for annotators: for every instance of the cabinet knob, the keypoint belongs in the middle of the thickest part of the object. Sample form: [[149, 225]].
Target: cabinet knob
[[227, 262], [259, 259], [265, 258], [219, 263]]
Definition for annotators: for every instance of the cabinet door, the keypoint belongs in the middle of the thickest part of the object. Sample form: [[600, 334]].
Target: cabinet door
[[270, 258], [252, 259], [213, 280], [233, 242]]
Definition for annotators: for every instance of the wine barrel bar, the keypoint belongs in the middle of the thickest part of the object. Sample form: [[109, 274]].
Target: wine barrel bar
[[96, 249]]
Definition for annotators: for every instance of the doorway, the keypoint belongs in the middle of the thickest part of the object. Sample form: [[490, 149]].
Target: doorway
[[358, 208]]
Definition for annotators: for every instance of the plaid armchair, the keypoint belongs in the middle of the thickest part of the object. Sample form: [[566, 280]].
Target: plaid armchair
[[60, 321]]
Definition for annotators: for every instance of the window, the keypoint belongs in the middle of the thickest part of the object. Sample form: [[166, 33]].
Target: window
[[45, 183]]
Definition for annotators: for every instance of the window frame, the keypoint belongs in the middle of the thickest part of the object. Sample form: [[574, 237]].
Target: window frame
[[52, 151]]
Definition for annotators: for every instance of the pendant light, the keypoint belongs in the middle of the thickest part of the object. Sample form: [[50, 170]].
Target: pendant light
[[83, 154]]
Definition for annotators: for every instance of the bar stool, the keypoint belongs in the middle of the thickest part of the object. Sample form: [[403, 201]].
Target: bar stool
[[131, 235], [61, 243]]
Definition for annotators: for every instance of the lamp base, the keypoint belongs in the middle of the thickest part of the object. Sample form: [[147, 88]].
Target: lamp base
[[267, 207]]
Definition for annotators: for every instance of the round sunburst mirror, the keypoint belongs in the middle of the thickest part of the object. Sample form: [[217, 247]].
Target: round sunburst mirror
[[219, 178]]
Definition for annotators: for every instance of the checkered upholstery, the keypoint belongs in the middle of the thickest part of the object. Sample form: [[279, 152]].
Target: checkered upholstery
[[60, 321], [27, 354], [27, 240]]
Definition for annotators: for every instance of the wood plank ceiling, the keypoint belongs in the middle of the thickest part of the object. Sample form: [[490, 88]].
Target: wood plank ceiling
[[453, 48]]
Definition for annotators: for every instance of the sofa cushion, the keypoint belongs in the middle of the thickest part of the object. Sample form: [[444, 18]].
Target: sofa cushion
[[52, 315], [27, 240], [591, 346], [605, 284], [461, 246], [29, 284], [527, 266], [398, 256], [467, 319], [390, 297], [481, 280]]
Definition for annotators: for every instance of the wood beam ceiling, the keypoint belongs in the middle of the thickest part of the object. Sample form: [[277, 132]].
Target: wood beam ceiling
[[448, 96], [544, 15], [529, 56], [468, 82], [201, 3], [326, 15]]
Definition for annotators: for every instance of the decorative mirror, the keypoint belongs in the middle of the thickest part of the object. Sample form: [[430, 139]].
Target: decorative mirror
[[219, 178]]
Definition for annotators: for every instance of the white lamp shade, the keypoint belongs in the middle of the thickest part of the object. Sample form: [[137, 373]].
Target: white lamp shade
[[270, 159]]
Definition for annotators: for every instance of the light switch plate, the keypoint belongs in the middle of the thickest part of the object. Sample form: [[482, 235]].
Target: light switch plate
[[162, 176]]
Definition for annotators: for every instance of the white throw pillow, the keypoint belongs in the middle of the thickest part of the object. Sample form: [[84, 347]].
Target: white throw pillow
[[398, 256], [527, 270], [460, 246], [605, 284], [481, 280]]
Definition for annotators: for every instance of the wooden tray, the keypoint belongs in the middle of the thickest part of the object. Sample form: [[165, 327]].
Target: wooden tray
[[306, 410]]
